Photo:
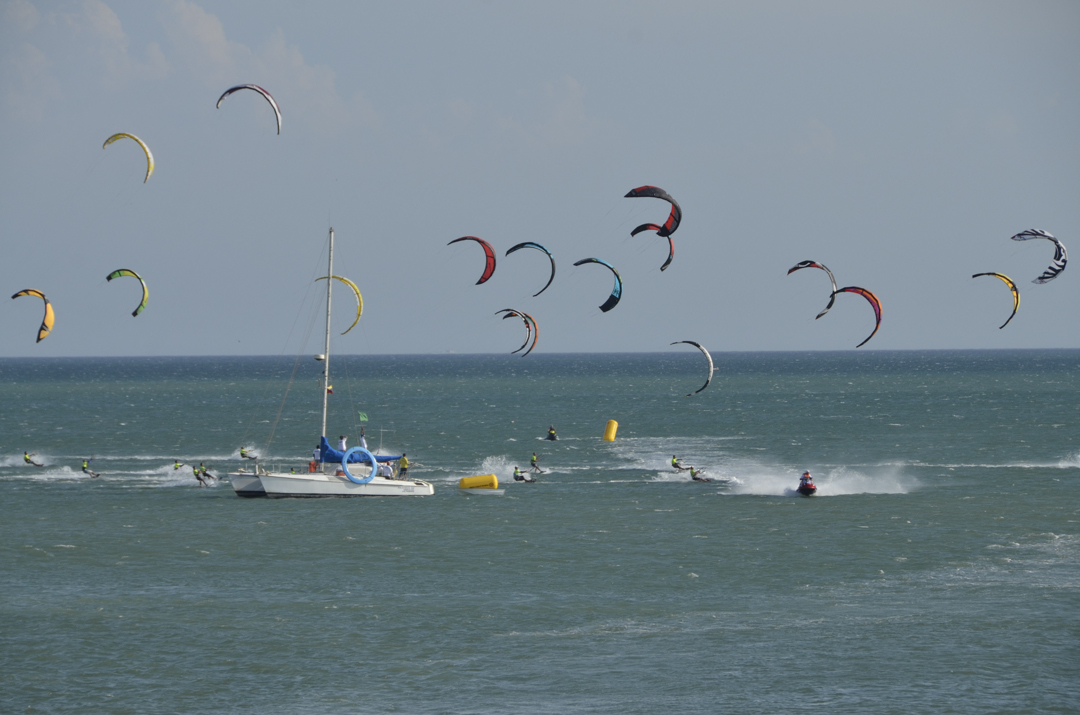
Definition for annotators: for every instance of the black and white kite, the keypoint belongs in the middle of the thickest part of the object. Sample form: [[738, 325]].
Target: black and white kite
[[707, 357], [1060, 256], [815, 264]]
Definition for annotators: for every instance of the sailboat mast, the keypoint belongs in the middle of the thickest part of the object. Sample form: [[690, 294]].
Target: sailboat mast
[[326, 350]]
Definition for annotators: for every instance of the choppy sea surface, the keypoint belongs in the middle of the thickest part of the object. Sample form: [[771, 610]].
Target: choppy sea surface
[[938, 569]]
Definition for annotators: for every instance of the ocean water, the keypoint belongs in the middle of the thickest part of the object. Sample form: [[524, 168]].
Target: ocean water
[[937, 571]]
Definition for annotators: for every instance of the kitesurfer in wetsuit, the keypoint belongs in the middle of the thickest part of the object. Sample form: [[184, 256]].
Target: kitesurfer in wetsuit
[[403, 466], [26, 458], [86, 468], [246, 453], [519, 477], [696, 476], [534, 466], [677, 464], [176, 464], [551, 433], [198, 475], [203, 472]]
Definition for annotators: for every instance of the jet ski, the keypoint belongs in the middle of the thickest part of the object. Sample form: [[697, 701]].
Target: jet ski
[[807, 490]]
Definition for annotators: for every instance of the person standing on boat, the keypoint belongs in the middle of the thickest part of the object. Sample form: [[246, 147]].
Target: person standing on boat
[[363, 439], [316, 454], [341, 440], [534, 466], [26, 458], [403, 466], [86, 468], [246, 453]]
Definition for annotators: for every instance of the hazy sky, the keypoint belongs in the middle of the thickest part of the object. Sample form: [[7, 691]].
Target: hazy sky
[[899, 143]]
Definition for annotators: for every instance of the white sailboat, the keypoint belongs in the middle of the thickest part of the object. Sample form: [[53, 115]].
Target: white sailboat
[[330, 476]]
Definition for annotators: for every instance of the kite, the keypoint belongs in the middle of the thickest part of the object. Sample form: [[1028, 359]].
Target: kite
[[133, 274], [149, 156], [616, 292], [707, 357], [813, 264], [260, 90], [532, 331], [873, 302], [1060, 256], [1012, 287], [359, 299], [489, 267], [50, 317], [530, 244], [669, 226]]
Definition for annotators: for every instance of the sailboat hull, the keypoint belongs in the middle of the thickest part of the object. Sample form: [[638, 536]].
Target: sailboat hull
[[329, 485], [246, 484]]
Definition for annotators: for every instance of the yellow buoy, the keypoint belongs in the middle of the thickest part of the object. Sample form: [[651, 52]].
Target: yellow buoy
[[609, 433], [484, 481]]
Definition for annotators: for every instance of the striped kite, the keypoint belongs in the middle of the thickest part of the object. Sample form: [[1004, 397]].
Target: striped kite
[[707, 357], [814, 264], [1060, 256]]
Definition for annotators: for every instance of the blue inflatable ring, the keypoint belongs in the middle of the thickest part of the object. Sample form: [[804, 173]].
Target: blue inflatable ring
[[370, 458]]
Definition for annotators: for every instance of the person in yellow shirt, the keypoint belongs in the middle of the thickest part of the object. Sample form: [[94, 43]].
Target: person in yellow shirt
[[403, 466]]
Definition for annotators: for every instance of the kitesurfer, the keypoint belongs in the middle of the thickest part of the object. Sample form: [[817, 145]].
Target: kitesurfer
[[696, 475], [519, 477], [86, 468], [198, 475], [246, 453], [203, 472], [403, 466], [677, 464], [534, 466], [551, 433], [26, 458], [176, 464]]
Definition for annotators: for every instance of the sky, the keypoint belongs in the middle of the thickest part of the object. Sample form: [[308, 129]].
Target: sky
[[899, 143]]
